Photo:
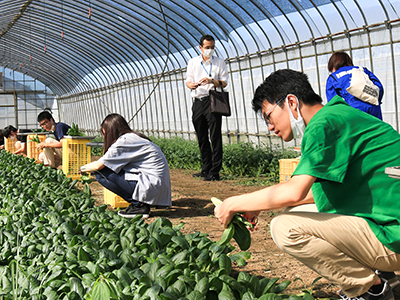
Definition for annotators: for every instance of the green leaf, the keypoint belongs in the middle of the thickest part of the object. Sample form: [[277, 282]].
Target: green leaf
[[76, 285], [168, 296], [88, 279], [180, 257], [282, 286], [196, 295], [225, 263], [269, 296], [123, 277], [248, 296], [233, 284], [270, 285], [153, 291], [50, 293], [181, 242], [202, 286], [101, 291], [308, 297], [164, 271], [173, 276], [255, 284], [227, 235], [226, 295], [215, 284], [293, 297], [243, 255]]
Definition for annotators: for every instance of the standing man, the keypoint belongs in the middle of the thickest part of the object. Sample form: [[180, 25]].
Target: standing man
[[52, 148], [353, 239], [203, 73]]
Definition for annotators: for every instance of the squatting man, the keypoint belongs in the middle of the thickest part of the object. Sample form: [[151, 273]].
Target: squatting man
[[352, 238]]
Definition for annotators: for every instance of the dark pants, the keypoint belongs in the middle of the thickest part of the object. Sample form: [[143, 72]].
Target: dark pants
[[117, 184], [207, 123]]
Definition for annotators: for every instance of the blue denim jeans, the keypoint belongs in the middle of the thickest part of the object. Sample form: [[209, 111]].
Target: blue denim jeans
[[117, 184]]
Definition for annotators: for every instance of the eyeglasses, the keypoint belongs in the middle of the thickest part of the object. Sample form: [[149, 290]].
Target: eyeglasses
[[44, 123], [267, 115]]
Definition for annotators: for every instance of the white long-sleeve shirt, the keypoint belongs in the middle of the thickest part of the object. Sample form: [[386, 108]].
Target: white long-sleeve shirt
[[144, 162]]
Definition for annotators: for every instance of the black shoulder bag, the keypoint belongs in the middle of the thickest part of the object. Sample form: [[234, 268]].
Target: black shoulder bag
[[219, 102]]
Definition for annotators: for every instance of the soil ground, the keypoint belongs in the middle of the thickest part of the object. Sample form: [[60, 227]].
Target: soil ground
[[191, 205]]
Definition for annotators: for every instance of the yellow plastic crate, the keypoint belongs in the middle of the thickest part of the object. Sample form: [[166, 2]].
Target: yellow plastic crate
[[75, 154], [287, 167], [114, 200], [9, 145], [32, 151]]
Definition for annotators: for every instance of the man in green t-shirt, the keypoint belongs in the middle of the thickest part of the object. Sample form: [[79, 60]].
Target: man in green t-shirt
[[353, 238]]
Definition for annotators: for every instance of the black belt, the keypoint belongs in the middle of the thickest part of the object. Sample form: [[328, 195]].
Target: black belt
[[202, 98]]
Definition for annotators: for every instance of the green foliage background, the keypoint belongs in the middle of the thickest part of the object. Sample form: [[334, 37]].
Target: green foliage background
[[240, 159]]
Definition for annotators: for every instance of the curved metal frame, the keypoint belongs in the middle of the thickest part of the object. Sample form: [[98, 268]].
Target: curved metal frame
[[128, 46]]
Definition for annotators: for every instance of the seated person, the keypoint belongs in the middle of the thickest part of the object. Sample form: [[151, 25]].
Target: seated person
[[133, 167], [52, 148], [20, 140], [1, 139]]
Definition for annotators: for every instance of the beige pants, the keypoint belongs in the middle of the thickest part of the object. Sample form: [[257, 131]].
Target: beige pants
[[51, 156], [343, 249]]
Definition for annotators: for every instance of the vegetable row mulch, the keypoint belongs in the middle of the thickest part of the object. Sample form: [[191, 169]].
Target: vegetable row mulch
[[56, 244]]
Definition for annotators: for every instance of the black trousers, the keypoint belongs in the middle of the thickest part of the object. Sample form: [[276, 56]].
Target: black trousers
[[208, 129]]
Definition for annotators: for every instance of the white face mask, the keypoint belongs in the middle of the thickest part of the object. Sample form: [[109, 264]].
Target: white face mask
[[298, 125], [208, 52], [12, 137]]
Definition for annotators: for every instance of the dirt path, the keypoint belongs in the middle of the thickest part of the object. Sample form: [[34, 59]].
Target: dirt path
[[191, 205]]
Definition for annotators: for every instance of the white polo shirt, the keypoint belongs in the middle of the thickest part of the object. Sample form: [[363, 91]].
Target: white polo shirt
[[198, 68]]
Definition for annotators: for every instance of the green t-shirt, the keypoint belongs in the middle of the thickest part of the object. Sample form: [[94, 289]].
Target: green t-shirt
[[348, 151]]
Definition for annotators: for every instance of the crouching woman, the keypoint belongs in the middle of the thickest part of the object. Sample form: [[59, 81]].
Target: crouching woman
[[133, 167]]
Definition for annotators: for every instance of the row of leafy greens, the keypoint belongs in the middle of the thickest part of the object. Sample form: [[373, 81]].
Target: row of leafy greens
[[56, 244]]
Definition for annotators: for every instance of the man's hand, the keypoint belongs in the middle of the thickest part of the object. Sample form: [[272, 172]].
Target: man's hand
[[205, 80], [223, 213], [41, 146], [192, 85]]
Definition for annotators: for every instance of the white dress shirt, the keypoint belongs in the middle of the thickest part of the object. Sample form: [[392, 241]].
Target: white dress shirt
[[198, 68]]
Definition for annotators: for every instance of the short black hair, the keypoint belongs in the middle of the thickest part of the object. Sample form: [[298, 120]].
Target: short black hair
[[44, 115], [7, 130], [206, 37], [282, 83]]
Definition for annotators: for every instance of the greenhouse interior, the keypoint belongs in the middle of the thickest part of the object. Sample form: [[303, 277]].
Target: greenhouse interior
[[238, 229], [86, 59]]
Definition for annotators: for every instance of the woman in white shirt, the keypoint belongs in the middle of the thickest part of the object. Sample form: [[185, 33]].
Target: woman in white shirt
[[133, 167]]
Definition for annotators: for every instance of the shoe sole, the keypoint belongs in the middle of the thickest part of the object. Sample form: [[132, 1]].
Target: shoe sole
[[395, 284], [130, 216]]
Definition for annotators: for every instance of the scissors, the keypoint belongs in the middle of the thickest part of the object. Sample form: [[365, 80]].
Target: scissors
[[254, 221]]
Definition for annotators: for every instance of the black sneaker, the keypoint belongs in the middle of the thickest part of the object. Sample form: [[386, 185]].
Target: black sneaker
[[391, 278], [201, 174], [386, 294], [211, 177], [134, 210]]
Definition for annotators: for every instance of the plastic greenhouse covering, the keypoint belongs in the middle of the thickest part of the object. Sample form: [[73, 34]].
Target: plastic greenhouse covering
[[86, 59]]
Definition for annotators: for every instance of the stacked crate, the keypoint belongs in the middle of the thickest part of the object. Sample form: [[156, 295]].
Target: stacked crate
[[114, 200], [33, 151], [75, 153], [9, 145], [287, 167]]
